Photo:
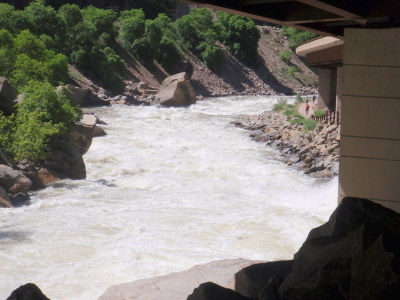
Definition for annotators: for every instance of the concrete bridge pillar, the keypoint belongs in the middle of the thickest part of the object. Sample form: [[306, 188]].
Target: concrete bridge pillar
[[370, 134], [339, 88], [327, 88]]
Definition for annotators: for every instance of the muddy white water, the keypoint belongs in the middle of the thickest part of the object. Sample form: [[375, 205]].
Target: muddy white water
[[166, 189]]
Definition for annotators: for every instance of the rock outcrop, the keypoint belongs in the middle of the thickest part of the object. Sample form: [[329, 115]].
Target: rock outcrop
[[314, 152], [354, 256], [28, 291], [7, 96], [176, 90], [177, 286], [66, 160], [14, 181], [75, 95]]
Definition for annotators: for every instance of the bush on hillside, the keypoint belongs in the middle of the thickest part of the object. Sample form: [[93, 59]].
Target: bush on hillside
[[213, 57], [286, 56], [297, 37], [239, 34]]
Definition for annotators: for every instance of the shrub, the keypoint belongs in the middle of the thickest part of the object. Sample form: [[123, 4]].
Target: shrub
[[239, 34], [299, 99], [286, 56], [280, 105], [309, 124], [168, 53], [292, 70], [132, 26], [319, 113], [296, 36], [213, 57]]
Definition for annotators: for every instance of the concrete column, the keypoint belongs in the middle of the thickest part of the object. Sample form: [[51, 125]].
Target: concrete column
[[370, 133], [339, 89], [326, 88]]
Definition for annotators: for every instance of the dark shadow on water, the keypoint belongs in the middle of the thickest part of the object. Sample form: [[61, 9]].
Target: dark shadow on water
[[14, 236]]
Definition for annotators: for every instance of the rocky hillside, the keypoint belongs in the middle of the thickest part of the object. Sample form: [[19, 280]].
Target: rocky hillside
[[271, 75]]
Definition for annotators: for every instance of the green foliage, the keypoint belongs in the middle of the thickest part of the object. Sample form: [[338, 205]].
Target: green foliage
[[280, 105], [41, 116], [239, 34], [194, 28], [99, 20], [286, 56], [309, 124], [168, 53], [7, 52], [132, 26], [299, 99], [292, 70], [297, 37], [213, 57], [319, 113]]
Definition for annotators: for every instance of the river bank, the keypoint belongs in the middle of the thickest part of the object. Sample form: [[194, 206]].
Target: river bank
[[314, 152]]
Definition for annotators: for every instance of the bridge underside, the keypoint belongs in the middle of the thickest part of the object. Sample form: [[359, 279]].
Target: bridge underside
[[359, 73], [327, 17]]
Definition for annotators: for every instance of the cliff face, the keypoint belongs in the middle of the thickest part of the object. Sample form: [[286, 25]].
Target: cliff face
[[270, 75]]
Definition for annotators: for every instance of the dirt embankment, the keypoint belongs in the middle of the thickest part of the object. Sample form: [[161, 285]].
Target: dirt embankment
[[270, 75]]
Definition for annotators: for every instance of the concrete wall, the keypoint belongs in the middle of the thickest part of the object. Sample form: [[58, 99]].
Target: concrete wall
[[327, 88], [370, 143], [339, 88]]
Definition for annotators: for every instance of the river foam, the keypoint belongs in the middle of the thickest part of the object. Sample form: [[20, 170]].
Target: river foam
[[166, 189]]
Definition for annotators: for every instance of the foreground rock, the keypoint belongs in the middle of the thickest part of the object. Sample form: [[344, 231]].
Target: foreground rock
[[177, 286], [28, 291], [8, 96], [355, 256], [315, 152], [176, 90]]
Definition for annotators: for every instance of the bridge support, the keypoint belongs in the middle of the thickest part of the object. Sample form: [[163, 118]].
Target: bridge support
[[327, 88], [370, 133]]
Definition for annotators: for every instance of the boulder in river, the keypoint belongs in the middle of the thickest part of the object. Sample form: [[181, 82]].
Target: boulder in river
[[75, 95], [176, 90], [14, 181], [66, 159], [28, 291], [7, 96]]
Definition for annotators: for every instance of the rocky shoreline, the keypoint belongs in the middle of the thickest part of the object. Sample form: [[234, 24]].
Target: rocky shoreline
[[314, 152]]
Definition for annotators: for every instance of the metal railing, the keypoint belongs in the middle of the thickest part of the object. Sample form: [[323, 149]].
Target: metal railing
[[328, 117]]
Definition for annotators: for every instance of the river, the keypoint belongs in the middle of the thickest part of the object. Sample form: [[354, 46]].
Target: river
[[166, 189]]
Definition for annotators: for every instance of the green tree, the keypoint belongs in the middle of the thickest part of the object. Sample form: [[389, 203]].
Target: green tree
[[239, 34], [7, 52], [99, 20], [132, 26]]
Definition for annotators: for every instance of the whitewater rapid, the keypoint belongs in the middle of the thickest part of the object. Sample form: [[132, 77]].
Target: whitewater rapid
[[166, 189]]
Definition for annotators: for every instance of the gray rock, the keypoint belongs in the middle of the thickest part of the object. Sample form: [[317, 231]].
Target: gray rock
[[252, 280], [353, 256], [212, 291], [28, 291], [14, 181], [5, 200], [177, 286], [176, 90], [75, 95]]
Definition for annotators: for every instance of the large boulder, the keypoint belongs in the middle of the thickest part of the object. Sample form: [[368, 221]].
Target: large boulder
[[5, 200], [14, 181], [251, 281], [176, 90], [7, 96], [177, 286], [66, 159], [75, 95], [355, 255], [28, 291]]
